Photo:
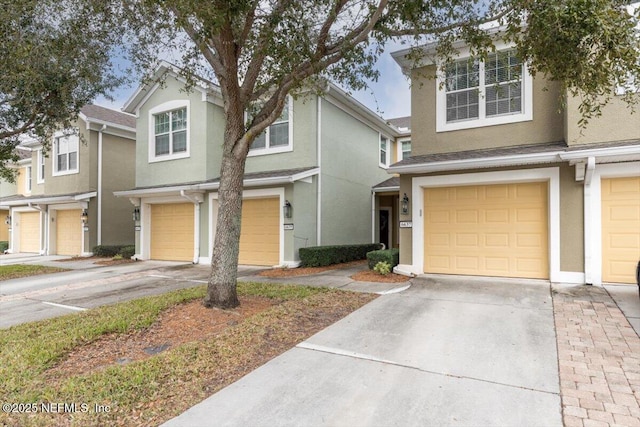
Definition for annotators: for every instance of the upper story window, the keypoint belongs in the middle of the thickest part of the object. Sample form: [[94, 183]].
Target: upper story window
[[65, 154], [41, 163], [473, 93], [27, 180], [404, 149], [384, 151], [277, 138], [169, 131]]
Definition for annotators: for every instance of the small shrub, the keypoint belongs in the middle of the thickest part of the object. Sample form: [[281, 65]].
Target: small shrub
[[4, 245], [128, 251], [320, 256], [390, 256], [383, 268], [108, 251], [117, 257]]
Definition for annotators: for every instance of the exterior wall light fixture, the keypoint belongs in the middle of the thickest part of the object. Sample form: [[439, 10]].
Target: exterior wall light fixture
[[287, 209], [136, 213], [84, 217], [404, 205]]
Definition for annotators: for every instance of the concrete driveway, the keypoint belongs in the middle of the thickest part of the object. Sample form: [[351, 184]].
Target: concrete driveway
[[444, 352]]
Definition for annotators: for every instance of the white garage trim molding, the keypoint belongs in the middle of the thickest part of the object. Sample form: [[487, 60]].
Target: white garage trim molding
[[52, 236], [593, 205], [249, 194], [14, 230], [550, 175]]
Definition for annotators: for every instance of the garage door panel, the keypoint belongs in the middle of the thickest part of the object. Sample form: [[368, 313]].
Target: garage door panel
[[620, 228], [172, 231], [260, 232], [68, 232], [499, 230], [30, 232]]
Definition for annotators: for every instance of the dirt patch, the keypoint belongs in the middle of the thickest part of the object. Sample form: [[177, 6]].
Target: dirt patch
[[183, 323], [98, 260], [307, 271], [372, 276], [109, 261]]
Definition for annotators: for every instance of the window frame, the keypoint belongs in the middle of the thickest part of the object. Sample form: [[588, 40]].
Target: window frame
[[56, 152], [168, 107], [28, 182], [526, 111], [41, 162], [279, 148], [387, 151], [400, 142]]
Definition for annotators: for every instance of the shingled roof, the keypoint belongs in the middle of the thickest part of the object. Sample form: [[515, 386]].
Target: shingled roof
[[108, 115], [401, 122]]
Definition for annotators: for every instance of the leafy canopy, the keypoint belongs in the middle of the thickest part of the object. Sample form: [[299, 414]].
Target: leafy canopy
[[55, 59]]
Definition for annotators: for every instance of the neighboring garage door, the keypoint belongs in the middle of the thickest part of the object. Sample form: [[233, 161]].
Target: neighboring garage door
[[69, 232], [620, 229], [30, 232], [172, 232], [260, 233], [4, 228], [487, 230]]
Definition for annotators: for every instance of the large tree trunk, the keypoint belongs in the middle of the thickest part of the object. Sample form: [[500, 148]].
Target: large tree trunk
[[221, 290]]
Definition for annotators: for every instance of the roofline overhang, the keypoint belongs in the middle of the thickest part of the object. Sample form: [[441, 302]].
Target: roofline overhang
[[482, 163], [52, 200], [89, 120], [255, 182], [602, 153], [385, 189]]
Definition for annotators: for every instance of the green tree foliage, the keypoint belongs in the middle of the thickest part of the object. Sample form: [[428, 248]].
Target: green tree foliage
[[55, 59], [260, 51]]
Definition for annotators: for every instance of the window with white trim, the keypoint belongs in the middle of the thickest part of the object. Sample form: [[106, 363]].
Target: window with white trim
[[169, 131], [65, 154], [27, 179], [277, 138], [41, 163], [384, 151], [405, 149], [478, 93]]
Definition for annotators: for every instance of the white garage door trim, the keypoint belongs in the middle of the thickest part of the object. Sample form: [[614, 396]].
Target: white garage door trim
[[552, 175], [593, 234], [145, 222], [14, 232], [248, 194]]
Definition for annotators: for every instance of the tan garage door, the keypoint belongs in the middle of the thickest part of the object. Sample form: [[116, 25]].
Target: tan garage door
[[30, 232], [488, 230], [620, 229], [69, 232], [172, 232], [4, 228], [260, 233]]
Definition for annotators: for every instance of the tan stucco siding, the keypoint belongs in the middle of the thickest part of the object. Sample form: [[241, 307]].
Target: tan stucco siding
[[571, 220], [546, 126], [616, 123]]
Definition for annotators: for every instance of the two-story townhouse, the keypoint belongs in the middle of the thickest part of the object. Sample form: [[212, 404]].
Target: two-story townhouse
[[388, 201], [502, 182], [307, 180], [12, 188], [63, 200]]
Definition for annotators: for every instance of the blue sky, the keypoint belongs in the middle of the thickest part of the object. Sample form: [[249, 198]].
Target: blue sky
[[389, 97]]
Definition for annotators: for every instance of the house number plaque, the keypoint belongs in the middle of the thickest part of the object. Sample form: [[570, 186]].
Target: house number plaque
[[288, 226], [406, 224]]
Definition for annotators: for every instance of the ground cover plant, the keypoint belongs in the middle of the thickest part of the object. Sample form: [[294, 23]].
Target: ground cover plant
[[24, 270], [72, 360]]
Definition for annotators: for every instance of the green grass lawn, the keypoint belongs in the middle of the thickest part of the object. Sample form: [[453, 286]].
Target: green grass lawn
[[23, 270], [153, 390]]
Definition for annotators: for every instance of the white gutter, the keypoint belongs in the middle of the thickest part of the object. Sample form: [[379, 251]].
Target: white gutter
[[588, 221], [385, 189], [487, 162], [102, 129], [626, 150], [196, 199], [319, 160], [51, 200], [154, 191]]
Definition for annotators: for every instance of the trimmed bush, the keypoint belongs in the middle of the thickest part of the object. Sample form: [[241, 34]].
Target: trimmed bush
[[109, 251], [320, 256], [390, 256], [383, 268], [4, 245], [127, 251]]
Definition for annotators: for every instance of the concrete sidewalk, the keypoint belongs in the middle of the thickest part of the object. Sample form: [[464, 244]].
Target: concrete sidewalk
[[443, 352]]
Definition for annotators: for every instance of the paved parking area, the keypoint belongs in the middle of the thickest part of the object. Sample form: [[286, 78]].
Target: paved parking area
[[599, 359]]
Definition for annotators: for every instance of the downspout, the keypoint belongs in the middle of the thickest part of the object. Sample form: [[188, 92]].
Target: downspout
[[196, 226], [104, 127], [373, 217], [588, 221], [319, 144]]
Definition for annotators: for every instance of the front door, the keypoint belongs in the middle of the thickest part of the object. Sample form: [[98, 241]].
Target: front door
[[385, 227]]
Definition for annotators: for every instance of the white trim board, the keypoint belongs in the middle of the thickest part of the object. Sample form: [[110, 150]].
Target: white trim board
[[551, 175], [593, 234]]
